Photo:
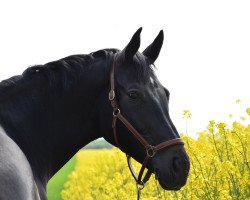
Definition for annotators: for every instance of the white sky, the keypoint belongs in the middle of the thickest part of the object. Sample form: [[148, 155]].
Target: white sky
[[204, 62]]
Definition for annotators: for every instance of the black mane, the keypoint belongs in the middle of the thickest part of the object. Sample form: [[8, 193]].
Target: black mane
[[66, 72], [63, 73], [141, 66]]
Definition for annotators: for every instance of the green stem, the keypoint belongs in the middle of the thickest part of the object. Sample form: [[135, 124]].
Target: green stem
[[215, 144], [202, 173]]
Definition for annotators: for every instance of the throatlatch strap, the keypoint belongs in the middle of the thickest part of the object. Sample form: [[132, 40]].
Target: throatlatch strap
[[138, 178]]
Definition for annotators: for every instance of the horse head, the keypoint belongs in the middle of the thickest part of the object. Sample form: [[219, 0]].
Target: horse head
[[143, 102]]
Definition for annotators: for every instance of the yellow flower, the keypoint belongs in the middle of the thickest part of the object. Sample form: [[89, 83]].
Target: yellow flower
[[238, 101], [212, 122], [186, 114], [242, 118], [248, 111], [219, 169], [221, 125]]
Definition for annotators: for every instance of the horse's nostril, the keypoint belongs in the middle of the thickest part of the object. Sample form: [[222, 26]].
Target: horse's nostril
[[176, 164]]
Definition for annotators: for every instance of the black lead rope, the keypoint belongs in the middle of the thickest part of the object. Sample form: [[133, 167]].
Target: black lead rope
[[139, 188], [138, 193]]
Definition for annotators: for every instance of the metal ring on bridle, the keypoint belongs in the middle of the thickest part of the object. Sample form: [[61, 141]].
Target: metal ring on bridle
[[140, 185], [150, 151], [116, 112]]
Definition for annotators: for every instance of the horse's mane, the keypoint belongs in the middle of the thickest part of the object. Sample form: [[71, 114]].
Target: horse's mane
[[67, 71]]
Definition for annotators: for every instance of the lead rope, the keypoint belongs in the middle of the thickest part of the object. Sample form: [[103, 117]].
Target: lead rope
[[139, 188]]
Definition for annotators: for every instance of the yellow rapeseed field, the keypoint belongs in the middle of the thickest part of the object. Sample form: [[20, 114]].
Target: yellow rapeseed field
[[220, 169]]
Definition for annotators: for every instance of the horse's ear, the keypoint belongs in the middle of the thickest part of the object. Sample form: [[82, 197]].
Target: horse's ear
[[153, 50], [130, 50]]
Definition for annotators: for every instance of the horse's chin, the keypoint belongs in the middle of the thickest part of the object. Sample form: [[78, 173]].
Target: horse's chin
[[166, 185]]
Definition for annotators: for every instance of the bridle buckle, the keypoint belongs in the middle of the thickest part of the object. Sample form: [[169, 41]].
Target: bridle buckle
[[111, 95], [150, 151]]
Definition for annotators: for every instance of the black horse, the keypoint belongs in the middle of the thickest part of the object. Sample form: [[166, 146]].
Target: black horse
[[51, 111]]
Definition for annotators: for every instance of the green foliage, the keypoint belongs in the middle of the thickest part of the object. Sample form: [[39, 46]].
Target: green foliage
[[98, 144], [56, 183]]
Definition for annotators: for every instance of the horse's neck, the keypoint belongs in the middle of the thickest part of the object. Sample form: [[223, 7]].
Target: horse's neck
[[54, 133]]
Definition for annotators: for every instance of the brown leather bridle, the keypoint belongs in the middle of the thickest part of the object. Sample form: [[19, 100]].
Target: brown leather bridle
[[150, 150]]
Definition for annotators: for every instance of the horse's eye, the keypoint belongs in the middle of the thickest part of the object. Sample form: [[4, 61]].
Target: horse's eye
[[133, 95]]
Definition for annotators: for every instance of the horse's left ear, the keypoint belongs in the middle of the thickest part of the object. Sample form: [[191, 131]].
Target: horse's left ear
[[153, 50], [130, 50]]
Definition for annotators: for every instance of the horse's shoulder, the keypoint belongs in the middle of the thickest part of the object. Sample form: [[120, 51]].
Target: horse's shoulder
[[16, 177]]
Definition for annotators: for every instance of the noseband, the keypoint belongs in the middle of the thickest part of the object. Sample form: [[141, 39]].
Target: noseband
[[150, 150]]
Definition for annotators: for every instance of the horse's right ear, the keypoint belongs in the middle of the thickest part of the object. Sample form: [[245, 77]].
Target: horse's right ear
[[130, 50]]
